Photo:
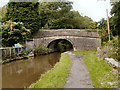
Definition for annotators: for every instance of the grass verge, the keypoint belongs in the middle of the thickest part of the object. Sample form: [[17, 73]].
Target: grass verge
[[56, 77], [100, 72]]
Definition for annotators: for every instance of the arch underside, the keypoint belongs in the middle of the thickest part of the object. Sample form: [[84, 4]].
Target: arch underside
[[53, 44]]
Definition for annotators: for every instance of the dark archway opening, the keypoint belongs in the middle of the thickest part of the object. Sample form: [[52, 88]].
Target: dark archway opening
[[60, 45]]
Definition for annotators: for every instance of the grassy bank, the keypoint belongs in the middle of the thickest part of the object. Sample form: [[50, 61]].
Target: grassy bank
[[102, 74], [56, 77]]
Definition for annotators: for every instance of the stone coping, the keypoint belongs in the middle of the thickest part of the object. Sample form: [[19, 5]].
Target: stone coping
[[114, 63], [94, 30]]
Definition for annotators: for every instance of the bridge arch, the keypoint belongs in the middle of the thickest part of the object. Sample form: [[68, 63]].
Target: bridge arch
[[80, 39], [53, 44]]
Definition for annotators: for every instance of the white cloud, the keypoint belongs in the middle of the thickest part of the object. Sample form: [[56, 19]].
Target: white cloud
[[3, 2]]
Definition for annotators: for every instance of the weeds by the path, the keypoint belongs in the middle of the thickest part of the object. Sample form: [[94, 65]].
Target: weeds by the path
[[101, 73], [56, 77]]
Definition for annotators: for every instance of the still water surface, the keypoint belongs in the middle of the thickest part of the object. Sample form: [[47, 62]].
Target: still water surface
[[21, 74]]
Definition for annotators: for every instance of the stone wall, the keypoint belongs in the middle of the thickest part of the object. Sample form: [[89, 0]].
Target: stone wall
[[80, 39], [66, 32], [30, 44]]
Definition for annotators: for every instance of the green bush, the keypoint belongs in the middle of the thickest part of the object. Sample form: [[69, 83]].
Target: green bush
[[19, 58], [64, 45], [42, 50], [24, 52], [2, 62], [7, 60], [109, 49]]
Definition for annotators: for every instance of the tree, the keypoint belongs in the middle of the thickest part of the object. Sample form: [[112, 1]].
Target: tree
[[56, 14], [17, 34], [26, 12], [87, 21], [114, 23], [0, 19], [116, 20], [77, 20], [52, 15], [93, 25], [102, 24], [116, 17], [3, 11]]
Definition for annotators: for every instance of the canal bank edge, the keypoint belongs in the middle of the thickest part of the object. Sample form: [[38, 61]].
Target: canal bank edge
[[57, 76], [10, 54]]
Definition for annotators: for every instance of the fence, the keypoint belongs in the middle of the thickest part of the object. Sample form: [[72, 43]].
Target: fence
[[9, 51]]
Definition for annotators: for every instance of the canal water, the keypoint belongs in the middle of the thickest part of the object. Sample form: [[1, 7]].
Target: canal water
[[21, 74]]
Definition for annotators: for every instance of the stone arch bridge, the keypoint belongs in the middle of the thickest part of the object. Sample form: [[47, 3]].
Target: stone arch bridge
[[80, 39]]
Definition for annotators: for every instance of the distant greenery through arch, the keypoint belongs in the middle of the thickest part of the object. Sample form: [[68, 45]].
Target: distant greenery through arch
[[64, 45]]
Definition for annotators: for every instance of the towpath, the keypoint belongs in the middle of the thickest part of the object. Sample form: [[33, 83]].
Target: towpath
[[79, 76]]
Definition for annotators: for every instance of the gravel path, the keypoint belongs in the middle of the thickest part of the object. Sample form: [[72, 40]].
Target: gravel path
[[79, 77]]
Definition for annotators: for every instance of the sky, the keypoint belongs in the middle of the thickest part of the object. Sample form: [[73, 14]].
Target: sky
[[95, 9]]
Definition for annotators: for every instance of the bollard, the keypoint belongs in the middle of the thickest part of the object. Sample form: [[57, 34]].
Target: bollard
[[10, 51], [14, 51]]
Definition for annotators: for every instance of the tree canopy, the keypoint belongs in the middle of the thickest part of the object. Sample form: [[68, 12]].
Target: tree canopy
[[116, 17], [56, 14], [26, 12], [114, 23], [13, 33], [48, 15], [60, 15]]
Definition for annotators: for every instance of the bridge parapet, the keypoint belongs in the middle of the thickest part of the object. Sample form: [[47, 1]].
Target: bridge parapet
[[66, 32]]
